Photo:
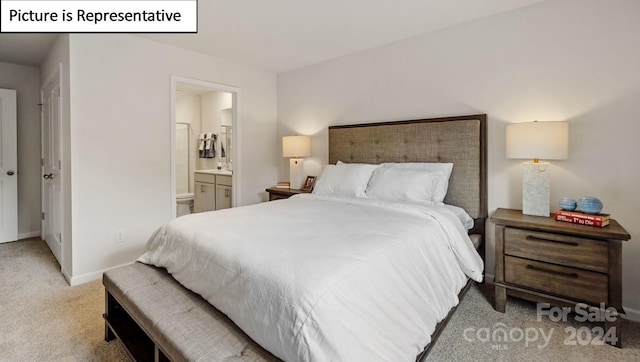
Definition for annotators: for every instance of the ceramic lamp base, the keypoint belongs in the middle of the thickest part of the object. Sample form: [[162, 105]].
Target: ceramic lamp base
[[535, 189], [296, 173]]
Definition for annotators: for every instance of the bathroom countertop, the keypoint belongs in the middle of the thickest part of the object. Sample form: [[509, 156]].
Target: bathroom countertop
[[216, 172]]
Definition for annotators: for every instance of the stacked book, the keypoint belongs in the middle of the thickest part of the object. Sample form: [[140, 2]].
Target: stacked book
[[283, 185], [599, 220]]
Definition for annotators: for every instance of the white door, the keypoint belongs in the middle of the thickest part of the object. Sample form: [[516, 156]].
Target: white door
[[8, 166], [51, 164]]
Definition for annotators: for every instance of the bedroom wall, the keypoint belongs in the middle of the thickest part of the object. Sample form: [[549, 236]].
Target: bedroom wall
[[565, 60], [26, 81], [120, 137]]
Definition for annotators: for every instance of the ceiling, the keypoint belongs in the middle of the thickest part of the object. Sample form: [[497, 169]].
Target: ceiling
[[281, 35], [25, 49]]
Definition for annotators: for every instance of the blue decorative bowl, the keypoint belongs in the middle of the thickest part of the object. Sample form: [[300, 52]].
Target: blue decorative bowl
[[568, 204], [590, 205]]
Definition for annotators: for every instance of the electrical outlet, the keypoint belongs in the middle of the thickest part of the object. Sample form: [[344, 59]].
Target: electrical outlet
[[119, 236]]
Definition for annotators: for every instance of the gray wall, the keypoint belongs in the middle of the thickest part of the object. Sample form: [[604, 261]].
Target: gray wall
[[564, 60], [26, 81]]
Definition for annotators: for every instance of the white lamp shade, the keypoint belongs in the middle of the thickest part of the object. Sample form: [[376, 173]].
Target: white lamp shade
[[296, 146], [538, 140]]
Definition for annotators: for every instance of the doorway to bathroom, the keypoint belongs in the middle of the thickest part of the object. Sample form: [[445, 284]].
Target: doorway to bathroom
[[204, 132]]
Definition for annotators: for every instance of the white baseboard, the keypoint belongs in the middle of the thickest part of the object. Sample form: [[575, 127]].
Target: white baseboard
[[89, 277], [66, 275], [31, 234], [631, 314]]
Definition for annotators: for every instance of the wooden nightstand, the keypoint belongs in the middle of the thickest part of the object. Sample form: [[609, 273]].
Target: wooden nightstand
[[563, 264], [279, 193]]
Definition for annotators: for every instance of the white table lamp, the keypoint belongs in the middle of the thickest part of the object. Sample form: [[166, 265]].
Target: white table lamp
[[296, 147], [535, 141]]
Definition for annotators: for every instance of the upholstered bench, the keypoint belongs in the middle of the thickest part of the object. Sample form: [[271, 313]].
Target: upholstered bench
[[157, 319]]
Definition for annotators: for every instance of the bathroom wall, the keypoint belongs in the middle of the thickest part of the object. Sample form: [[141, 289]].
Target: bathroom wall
[[183, 158], [212, 105], [188, 110], [203, 111]]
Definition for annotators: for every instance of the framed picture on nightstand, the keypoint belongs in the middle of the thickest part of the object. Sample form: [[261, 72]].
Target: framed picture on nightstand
[[309, 183]]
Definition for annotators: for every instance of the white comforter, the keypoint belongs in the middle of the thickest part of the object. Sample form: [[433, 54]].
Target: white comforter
[[324, 279]]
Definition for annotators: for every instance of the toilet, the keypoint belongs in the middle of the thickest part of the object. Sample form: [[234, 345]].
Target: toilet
[[184, 204]]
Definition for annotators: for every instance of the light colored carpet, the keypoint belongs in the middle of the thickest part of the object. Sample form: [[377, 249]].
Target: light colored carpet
[[43, 319], [466, 339]]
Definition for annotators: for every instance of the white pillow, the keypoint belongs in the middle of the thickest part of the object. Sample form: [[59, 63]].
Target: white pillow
[[441, 186], [344, 180], [403, 184]]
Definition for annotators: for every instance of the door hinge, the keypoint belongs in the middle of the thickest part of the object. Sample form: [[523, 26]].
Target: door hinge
[[42, 162], [59, 165], [42, 216]]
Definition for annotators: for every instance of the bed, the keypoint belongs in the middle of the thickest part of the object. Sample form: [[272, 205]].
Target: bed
[[326, 276]]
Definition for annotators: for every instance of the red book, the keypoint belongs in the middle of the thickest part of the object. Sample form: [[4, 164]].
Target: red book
[[599, 220]]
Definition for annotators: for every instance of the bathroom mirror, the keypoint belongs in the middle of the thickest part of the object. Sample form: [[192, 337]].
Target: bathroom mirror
[[225, 139], [226, 133]]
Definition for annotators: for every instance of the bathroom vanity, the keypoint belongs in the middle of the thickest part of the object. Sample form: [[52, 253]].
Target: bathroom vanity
[[213, 189]]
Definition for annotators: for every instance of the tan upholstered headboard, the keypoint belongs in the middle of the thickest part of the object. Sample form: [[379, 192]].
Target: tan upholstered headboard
[[461, 140]]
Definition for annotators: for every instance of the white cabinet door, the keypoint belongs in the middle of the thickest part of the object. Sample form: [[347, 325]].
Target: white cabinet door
[[223, 197], [204, 197]]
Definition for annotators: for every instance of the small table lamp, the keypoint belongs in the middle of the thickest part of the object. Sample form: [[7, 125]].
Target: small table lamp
[[537, 140], [296, 147]]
